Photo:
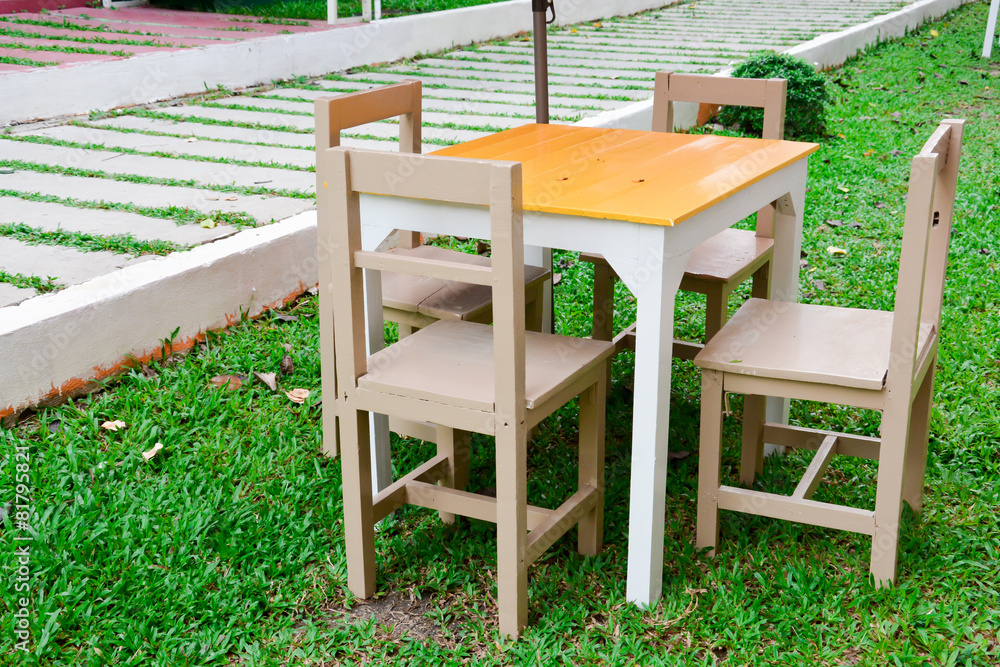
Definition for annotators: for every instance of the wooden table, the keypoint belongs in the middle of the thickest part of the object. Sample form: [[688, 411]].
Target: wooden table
[[643, 200]]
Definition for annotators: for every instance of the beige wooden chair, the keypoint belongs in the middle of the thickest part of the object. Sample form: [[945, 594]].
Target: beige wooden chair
[[863, 358], [721, 264], [410, 301], [414, 302], [463, 376]]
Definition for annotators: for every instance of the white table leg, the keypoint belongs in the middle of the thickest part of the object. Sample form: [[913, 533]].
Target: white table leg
[[788, 221], [656, 282], [991, 29], [538, 256]]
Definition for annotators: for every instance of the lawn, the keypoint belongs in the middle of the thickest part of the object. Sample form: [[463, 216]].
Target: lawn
[[226, 547], [317, 9]]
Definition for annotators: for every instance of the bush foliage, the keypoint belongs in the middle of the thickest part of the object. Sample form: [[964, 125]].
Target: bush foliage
[[805, 109]]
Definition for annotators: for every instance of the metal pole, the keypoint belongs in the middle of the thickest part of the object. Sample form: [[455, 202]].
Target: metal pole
[[540, 9]]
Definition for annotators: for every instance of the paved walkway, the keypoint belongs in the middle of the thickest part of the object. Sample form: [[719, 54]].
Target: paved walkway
[[80, 198], [66, 37]]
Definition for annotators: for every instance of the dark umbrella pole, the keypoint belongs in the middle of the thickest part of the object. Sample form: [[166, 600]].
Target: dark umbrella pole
[[540, 10]]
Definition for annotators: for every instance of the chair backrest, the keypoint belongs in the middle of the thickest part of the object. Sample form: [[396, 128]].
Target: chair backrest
[[768, 94], [336, 114], [342, 174], [930, 203]]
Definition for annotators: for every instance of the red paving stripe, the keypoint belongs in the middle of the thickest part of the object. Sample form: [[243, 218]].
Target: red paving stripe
[[104, 28], [6, 41], [55, 56], [194, 19], [166, 40], [217, 38], [4, 67]]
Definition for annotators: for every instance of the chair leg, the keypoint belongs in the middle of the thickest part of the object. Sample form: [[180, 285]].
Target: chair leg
[[889, 491], [603, 322], [761, 288], [709, 461], [359, 524], [716, 310], [590, 538], [512, 528], [916, 451], [534, 308], [456, 445], [752, 458]]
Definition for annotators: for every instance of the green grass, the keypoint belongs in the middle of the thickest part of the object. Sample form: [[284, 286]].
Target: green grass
[[37, 283], [25, 62], [125, 244], [317, 9], [228, 547]]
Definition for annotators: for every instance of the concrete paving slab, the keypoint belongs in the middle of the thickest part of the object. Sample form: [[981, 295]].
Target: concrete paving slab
[[56, 57], [585, 59], [570, 70], [65, 265], [578, 92], [525, 100], [465, 116], [224, 133], [10, 295], [307, 123], [203, 173], [489, 72], [262, 209], [178, 146], [53, 217]]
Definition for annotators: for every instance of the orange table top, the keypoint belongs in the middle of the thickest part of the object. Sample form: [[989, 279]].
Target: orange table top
[[648, 177]]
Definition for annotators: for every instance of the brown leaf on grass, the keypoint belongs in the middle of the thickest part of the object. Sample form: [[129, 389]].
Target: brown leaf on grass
[[230, 382], [153, 451], [297, 395], [113, 425], [148, 372], [270, 379], [287, 366]]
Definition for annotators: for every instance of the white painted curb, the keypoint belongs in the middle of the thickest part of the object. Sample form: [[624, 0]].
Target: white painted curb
[[153, 77], [53, 345], [826, 51]]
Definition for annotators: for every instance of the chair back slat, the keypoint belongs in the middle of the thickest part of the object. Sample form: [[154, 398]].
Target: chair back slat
[[768, 94], [336, 114], [342, 174], [949, 149], [924, 254]]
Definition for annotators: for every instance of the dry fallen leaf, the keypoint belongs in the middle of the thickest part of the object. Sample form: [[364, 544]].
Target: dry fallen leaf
[[231, 198], [934, 33], [297, 395], [153, 452], [270, 379], [287, 367], [834, 250], [230, 382], [208, 223], [113, 426], [191, 140]]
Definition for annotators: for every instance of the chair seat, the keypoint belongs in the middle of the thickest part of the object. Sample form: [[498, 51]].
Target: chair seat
[[443, 299], [806, 343], [729, 256], [452, 362]]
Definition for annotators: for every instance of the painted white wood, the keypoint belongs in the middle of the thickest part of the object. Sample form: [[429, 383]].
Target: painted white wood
[[657, 278], [991, 29], [650, 260]]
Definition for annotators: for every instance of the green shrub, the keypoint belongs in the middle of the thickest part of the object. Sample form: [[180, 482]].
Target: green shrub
[[805, 109]]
